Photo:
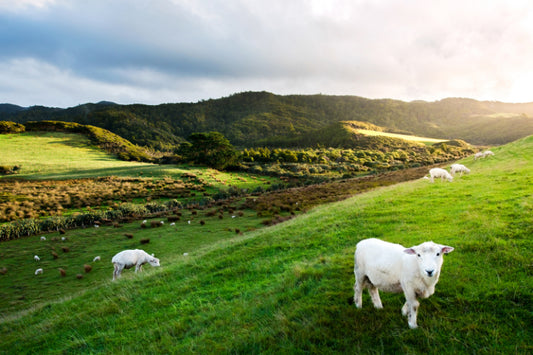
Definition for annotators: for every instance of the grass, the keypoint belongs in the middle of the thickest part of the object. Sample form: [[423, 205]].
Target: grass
[[401, 136], [285, 289]]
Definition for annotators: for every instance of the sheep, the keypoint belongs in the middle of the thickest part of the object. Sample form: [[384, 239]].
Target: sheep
[[43, 238], [439, 172], [484, 154], [38, 271], [459, 168], [393, 268], [96, 258], [36, 258], [129, 258]]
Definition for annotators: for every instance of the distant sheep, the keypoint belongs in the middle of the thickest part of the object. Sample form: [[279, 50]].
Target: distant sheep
[[96, 258], [393, 268], [459, 168], [128, 258], [43, 238], [36, 258], [439, 173], [484, 154], [38, 271]]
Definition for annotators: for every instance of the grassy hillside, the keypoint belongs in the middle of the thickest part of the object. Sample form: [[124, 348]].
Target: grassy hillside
[[53, 155], [263, 119], [285, 289]]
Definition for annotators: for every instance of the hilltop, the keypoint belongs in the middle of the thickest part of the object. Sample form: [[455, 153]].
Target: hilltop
[[253, 119]]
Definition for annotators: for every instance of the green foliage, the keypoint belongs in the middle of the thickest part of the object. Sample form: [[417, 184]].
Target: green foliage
[[253, 119], [11, 127], [211, 149]]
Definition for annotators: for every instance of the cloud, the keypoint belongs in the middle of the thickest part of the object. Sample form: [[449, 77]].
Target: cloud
[[173, 50]]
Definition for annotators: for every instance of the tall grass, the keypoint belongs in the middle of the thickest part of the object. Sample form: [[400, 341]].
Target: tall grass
[[285, 289]]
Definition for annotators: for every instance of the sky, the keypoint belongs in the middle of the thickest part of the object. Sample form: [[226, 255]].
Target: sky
[[63, 53]]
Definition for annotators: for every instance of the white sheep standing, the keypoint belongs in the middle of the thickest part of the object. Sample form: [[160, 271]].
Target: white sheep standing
[[459, 168], [487, 153], [38, 271], [129, 258], [439, 173], [36, 258], [96, 258], [393, 268], [43, 238]]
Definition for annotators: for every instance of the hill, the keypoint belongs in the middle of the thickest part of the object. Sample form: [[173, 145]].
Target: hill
[[284, 289], [264, 119]]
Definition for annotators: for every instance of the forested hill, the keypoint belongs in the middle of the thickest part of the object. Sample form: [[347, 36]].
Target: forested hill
[[265, 119]]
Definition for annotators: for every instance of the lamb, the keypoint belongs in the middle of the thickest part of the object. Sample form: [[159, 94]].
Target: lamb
[[393, 268], [36, 258], [129, 258], [459, 168], [38, 271], [439, 172], [487, 153], [96, 258]]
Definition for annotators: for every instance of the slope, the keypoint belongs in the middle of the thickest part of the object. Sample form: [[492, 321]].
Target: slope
[[284, 289], [264, 119]]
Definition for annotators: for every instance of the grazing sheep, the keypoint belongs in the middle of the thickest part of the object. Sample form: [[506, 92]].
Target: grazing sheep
[[36, 258], [459, 168], [393, 268], [38, 271], [129, 258], [43, 238], [96, 258], [439, 173], [484, 154]]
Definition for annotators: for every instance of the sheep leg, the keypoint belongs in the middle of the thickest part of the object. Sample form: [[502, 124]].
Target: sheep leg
[[410, 309], [374, 294], [358, 293]]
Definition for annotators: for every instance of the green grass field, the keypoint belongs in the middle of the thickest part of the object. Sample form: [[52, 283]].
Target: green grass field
[[406, 137], [285, 289]]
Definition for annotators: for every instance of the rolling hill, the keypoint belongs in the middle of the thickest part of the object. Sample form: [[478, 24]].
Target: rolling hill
[[284, 289], [264, 119]]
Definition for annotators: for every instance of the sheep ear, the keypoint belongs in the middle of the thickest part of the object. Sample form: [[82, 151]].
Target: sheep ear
[[446, 249], [409, 251]]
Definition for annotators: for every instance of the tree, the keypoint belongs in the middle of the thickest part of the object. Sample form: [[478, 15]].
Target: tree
[[211, 149]]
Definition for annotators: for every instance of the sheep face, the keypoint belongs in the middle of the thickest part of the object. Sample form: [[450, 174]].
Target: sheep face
[[429, 258], [154, 261]]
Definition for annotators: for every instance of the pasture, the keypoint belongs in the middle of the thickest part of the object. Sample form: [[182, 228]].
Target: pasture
[[286, 288]]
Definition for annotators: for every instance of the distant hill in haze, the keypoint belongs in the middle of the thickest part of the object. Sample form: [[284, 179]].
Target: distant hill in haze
[[264, 119]]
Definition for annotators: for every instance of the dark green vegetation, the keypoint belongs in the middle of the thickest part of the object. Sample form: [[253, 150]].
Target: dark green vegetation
[[285, 288], [255, 119]]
